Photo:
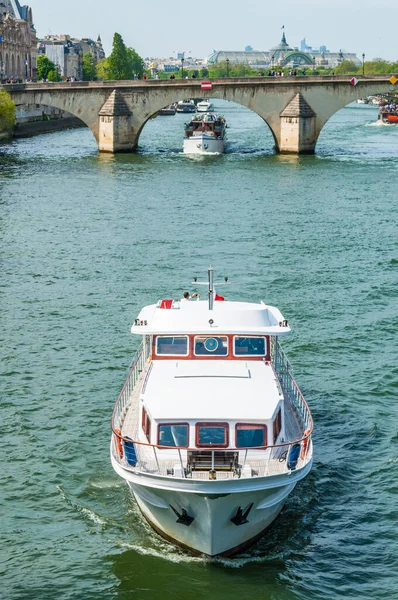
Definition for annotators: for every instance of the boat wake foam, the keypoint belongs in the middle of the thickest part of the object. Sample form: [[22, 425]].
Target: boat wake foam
[[169, 553], [379, 123], [86, 512]]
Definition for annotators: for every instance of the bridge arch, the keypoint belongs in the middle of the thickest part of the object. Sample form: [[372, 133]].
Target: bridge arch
[[326, 105], [211, 95], [372, 116], [76, 104]]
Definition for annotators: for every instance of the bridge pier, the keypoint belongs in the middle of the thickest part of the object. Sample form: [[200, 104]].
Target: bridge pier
[[116, 133], [297, 127]]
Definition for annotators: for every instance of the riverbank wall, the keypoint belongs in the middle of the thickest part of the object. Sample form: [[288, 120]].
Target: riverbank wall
[[34, 119], [28, 129]]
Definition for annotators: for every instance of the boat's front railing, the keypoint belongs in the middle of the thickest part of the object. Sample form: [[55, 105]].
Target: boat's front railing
[[137, 366], [145, 458], [291, 390]]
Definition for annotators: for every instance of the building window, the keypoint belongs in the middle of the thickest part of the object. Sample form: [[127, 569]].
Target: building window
[[173, 434], [211, 346], [250, 346], [146, 424], [171, 346], [212, 435], [277, 425], [249, 435]]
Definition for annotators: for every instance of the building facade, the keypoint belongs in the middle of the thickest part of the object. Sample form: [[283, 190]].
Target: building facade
[[284, 55], [18, 42], [67, 53]]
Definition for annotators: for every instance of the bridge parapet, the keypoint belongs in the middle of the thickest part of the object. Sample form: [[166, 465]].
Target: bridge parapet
[[223, 81]]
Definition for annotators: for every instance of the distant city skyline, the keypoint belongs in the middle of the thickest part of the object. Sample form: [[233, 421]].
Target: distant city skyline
[[161, 32]]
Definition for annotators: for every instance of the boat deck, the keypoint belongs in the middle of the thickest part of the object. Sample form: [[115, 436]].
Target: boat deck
[[269, 461]]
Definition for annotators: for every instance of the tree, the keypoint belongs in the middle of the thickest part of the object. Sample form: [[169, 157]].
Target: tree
[[136, 63], [102, 69], [204, 72], [235, 70], [88, 67], [120, 65], [44, 66], [7, 112], [53, 75], [346, 67]]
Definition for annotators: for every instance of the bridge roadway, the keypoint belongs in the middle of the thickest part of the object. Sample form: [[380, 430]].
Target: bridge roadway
[[294, 108]]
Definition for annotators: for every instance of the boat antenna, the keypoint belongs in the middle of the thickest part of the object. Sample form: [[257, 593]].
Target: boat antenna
[[210, 285], [210, 273]]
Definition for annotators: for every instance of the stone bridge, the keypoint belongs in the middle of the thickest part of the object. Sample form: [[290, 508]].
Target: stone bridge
[[294, 108]]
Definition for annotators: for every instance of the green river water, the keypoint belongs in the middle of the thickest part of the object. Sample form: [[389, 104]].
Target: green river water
[[86, 240]]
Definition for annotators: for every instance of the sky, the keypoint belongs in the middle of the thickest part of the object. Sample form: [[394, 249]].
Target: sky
[[159, 28]]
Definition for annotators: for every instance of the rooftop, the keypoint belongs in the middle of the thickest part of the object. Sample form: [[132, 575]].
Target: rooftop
[[192, 316], [211, 390]]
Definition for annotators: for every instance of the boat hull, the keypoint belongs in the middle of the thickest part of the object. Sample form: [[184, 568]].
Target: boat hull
[[226, 516], [203, 144], [212, 532]]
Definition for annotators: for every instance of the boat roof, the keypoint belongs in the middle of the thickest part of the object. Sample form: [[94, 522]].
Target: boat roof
[[211, 390], [194, 316]]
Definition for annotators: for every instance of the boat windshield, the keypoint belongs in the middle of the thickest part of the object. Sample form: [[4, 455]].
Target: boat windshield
[[173, 434], [249, 346], [212, 434], [172, 345], [211, 346], [250, 435]]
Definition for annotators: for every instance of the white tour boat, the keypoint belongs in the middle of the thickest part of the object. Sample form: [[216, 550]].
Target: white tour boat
[[186, 106], [205, 106], [210, 430], [205, 134]]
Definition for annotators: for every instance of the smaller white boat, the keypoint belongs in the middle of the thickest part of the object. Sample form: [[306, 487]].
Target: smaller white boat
[[205, 134], [186, 106], [205, 106]]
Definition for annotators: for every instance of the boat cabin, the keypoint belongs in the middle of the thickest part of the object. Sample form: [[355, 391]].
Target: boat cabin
[[211, 390], [208, 123]]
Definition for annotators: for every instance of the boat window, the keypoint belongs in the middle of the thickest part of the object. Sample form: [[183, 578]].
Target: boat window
[[250, 346], [248, 435], [172, 345], [173, 434], [211, 346], [146, 424], [277, 425], [212, 435]]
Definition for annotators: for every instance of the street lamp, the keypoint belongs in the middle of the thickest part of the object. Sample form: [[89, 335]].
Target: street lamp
[[363, 63], [227, 67], [313, 64], [272, 59], [182, 67]]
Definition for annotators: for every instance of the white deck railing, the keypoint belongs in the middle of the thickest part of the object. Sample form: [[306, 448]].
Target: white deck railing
[[125, 397], [291, 391], [152, 459]]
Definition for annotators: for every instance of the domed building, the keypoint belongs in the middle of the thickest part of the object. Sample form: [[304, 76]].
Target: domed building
[[279, 52], [18, 41], [282, 55]]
